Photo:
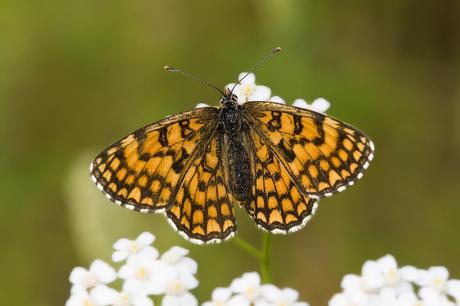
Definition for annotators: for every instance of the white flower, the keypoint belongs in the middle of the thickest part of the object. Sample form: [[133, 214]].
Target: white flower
[[435, 280], [175, 257], [431, 297], [176, 282], [125, 247], [176, 285], [247, 286], [104, 295], [319, 105], [385, 272], [81, 298], [223, 297], [247, 90], [277, 99], [279, 297], [142, 273], [99, 273]]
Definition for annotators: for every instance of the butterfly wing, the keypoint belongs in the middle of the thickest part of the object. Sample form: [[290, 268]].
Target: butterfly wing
[[144, 170], [203, 210], [322, 155], [277, 205]]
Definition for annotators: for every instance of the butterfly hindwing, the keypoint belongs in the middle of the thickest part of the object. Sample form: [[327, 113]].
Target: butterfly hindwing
[[203, 210], [142, 170], [321, 154], [278, 205]]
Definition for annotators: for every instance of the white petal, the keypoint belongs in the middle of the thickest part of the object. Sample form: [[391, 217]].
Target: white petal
[[238, 300], [189, 280], [439, 272], [174, 254], [150, 252], [201, 105], [351, 282], [221, 294], [190, 264], [277, 99], [105, 273], [80, 299], [270, 292], [104, 295], [141, 300], [122, 244], [238, 285], [252, 278], [409, 273], [338, 300], [262, 302], [77, 275], [321, 105], [290, 295], [250, 79], [301, 103], [186, 299], [372, 275], [146, 238], [388, 261], [428, 293], [453, 288], [118, 256], [262, 93]]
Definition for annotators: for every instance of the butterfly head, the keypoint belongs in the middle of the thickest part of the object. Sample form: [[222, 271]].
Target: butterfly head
[[229, 98]]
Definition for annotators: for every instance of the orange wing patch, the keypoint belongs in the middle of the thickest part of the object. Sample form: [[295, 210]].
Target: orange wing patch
[[143, 170], [203, 210], [278, 205], [323, 155]]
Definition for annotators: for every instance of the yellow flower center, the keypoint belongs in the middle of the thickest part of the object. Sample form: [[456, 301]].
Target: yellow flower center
[[134, 247], [176, 287], [142, 273], [247, 89], [87, 302]]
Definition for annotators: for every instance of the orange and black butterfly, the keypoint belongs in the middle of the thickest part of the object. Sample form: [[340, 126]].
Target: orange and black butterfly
[[274, 160]]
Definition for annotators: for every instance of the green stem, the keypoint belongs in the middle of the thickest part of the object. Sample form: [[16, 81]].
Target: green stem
[[264, 262], [262, 256], [157, 300], [248, 248]]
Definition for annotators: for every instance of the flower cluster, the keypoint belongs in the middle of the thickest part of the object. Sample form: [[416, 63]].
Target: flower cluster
[[144, 273], [247, 90], [382, 283], [247, 290]]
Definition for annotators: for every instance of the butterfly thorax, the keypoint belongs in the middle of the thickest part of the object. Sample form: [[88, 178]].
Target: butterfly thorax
[[234, 129]]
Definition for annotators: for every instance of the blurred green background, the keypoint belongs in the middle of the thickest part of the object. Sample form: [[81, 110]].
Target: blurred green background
[[77, 75]]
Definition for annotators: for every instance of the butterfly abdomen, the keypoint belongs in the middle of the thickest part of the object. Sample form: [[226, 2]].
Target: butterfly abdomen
[[239, 167], [240, 177]]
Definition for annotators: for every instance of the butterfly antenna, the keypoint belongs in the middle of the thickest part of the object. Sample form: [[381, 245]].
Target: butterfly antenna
[[257, 65], [193, 77]]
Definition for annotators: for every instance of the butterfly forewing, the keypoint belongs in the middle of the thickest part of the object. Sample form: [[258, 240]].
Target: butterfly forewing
[[144, 170], [321, 154]]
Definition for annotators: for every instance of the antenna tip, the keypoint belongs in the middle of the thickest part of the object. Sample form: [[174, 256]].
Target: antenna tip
[[277, 49], [168, 68]]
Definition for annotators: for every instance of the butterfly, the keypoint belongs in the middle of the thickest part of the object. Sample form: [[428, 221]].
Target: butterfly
[[274, 160]]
